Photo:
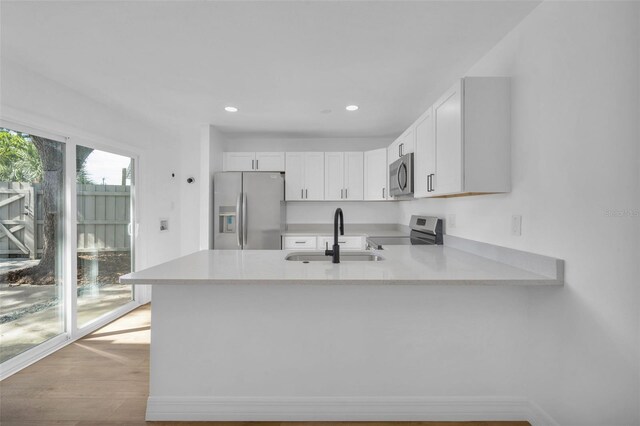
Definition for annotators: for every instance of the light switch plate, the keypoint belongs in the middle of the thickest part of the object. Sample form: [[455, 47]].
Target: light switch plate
[[516, 225]]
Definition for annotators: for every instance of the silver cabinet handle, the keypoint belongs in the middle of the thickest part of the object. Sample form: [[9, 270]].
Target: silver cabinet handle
[[239, 219], [252, 164], [382, 193], [300, 242], [346, 193], [306, 194], [301, 193], [430, 182], [257, 167]]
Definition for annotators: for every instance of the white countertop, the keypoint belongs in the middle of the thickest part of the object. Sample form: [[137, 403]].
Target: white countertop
[[414, 265]]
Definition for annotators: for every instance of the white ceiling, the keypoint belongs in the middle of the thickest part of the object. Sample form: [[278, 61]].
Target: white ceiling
[[281, 63]]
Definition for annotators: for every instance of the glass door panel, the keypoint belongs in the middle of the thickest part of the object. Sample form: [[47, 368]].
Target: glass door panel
[[104, 232], [31, 237]]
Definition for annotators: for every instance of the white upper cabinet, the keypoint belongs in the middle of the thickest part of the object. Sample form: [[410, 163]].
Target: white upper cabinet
[[447, 113], [402, 146], [253, 161], [353, 176], [304, 176], [333, 175], [314, 175], [425, 155], [343, 176], [238, 161], [294, 176], [462, 142], [376, 170], [270, 161]]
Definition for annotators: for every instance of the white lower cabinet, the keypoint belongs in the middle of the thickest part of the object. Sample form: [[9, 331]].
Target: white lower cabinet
[[319, 242], [345, 242], [299, 242]]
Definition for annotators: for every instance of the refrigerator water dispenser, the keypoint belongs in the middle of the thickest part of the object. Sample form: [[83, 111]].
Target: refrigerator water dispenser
[[227, 219]]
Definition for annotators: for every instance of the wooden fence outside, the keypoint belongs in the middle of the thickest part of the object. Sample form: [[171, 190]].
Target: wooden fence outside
[[103, 216]]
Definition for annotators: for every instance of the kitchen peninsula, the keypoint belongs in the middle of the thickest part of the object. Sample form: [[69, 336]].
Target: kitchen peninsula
[[236, 334]]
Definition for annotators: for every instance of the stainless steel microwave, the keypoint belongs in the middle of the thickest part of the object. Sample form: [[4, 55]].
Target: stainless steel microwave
[[401, 176]]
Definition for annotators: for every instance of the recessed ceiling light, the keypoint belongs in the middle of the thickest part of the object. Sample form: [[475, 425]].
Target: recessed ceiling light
[[351, 107], [231, 109]]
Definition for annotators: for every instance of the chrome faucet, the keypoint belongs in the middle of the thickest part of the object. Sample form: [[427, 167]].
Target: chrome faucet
[[335, 252]]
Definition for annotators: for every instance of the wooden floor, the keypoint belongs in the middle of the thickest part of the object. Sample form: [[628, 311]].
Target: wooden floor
[[103, 378]]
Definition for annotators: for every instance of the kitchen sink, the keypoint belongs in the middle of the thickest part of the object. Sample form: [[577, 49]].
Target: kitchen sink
[[345, 256]]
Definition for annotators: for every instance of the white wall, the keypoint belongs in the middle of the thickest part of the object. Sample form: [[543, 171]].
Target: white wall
[[212, 143], [575, 157], [354, 211], [30, 99]]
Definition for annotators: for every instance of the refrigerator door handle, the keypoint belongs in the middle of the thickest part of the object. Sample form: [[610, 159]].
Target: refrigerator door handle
[[239, 219], [244, 219]]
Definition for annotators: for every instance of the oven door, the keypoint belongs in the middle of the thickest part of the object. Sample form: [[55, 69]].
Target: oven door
[[401, 176]]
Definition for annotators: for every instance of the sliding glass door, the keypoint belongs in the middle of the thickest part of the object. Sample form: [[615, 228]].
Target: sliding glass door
[[52, 289], [104, 221], [32, 309]]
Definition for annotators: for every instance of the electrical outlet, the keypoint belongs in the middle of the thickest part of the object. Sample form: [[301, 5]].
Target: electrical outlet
[[516, 225], [451, 221], [164, 225]]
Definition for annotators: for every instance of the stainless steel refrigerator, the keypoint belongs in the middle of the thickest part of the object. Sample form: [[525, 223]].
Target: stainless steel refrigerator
[[248, 210]]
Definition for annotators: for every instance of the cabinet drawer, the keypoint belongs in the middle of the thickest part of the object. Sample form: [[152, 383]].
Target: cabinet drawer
[[345, 243], [299, 243]]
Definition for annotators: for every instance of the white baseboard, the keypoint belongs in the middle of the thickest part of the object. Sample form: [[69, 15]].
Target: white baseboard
[[341, 409]]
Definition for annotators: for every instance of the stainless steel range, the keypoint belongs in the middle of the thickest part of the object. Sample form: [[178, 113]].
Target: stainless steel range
[[425, 230]]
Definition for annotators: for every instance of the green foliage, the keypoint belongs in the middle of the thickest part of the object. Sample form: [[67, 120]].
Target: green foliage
[[83, 177], [19, 158], [20, 161]]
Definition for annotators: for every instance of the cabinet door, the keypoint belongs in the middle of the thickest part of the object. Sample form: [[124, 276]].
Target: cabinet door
[[334, 176], [294, 176], [353, 176], [299, 242], [408, 141], [375, 174], [393, 152], [238, 161], [425, 155], [447, 115], [345, 243], [270, 161], [314, 176]]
